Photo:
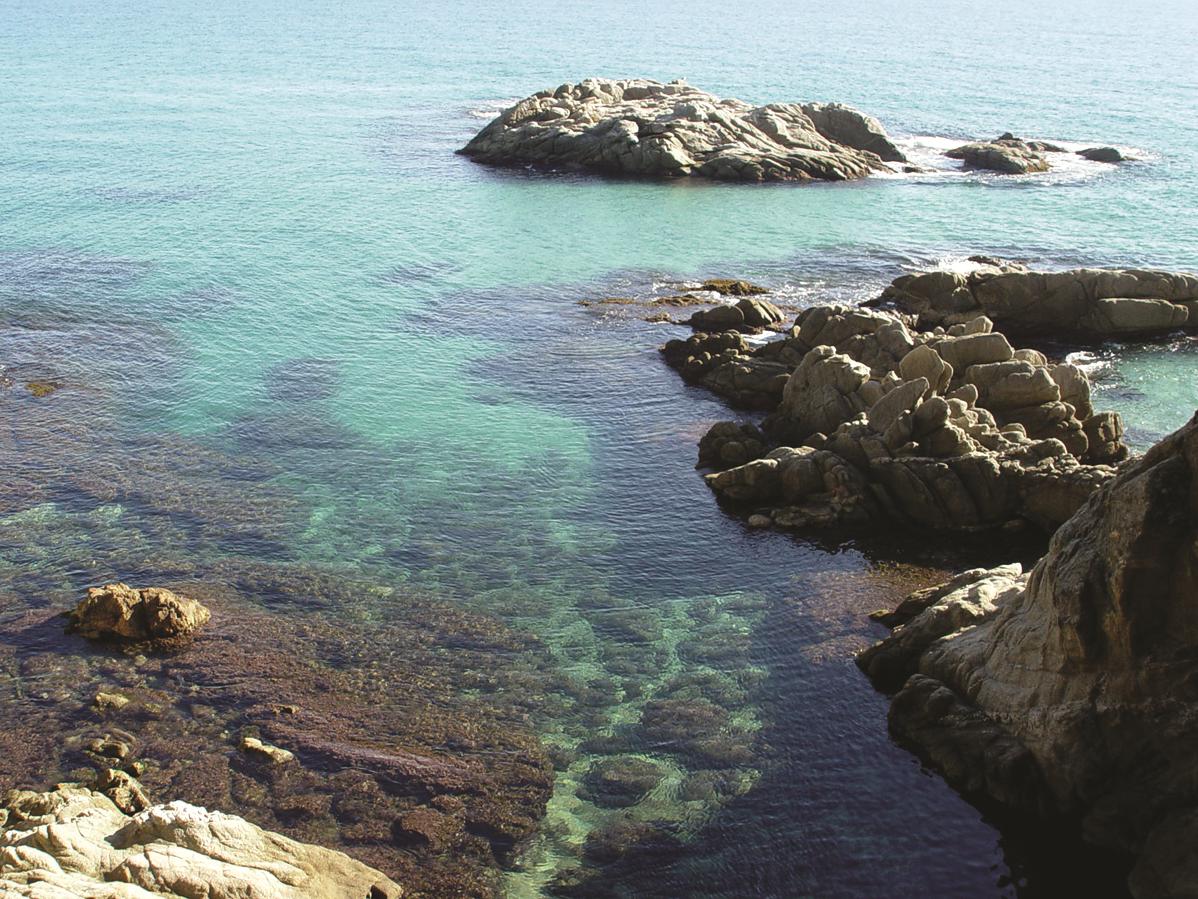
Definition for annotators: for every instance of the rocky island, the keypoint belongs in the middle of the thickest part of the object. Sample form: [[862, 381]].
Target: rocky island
[[646, 128]]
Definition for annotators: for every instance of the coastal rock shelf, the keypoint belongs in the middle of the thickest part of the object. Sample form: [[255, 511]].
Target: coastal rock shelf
[[1070, 693], [1081, 303], [72, 841], [646, 128], [872, 420]]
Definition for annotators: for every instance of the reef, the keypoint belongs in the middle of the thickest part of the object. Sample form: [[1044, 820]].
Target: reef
[[73, 841], [1069, 694], [646, 128]]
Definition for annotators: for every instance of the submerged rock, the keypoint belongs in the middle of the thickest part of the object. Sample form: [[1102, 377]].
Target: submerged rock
[[620, 781], [72, 841], [640, 127], [1074, 696], [1086, 303], [120, 612]]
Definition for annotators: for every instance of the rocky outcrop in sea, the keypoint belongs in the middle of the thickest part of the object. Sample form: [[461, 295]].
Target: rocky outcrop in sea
[[872, 420], [74, 841], [646, 128], [1069, 693], [1081, 303]]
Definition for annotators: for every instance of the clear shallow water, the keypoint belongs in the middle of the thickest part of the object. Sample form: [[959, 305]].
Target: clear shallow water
[[243, 230]]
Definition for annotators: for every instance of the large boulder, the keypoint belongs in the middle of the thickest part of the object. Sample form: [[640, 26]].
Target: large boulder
[[72, 841], [1086, 303], [641, 127], [121, 612], [1077, 696]]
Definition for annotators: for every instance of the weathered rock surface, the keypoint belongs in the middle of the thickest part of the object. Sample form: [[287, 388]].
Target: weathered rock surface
[[1007, 155], [120, 612], [1076, 695], [72, 841], [1087, 303], [873, 420], [646, 128]]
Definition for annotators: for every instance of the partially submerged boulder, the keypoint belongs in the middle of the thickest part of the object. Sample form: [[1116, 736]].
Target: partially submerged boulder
[[1007, 155], [1103, 154], [1074, 696], [646, 128], [72, 841], [121, 612], [1085, 303]]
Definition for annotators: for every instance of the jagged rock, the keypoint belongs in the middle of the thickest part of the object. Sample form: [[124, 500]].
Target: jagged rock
[[640, 127], [1085, 303], [72, 841], [962, 602], [118, 611], [1077, 696], [1007, 155], [823, 392]]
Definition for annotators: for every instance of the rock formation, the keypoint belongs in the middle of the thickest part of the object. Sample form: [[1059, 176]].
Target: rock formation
[[1084, 303], [1073, 693], [646, 128], [873, 420], [1007, 155], [120, 612], [72, 841]]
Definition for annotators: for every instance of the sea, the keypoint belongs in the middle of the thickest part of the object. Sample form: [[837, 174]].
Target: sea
[[239, 253]]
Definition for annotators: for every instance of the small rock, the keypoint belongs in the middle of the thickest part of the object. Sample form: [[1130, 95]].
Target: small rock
[[255, 747]]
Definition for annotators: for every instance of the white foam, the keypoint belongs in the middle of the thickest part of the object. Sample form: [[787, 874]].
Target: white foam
[[927, 151]]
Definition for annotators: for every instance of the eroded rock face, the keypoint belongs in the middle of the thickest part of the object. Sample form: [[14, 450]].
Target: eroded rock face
[[1077, 695], [72, 841], [121, 612], [640, 127], [945, 429], [1086, 303]]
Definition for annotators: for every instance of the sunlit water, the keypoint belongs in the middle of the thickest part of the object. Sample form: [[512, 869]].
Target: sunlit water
[[242, 227]]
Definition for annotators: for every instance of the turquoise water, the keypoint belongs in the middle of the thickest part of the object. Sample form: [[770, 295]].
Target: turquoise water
[[243, 229]]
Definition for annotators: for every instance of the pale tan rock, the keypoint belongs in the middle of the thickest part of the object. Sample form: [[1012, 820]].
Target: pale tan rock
[[118, 611], [641, 127], [73, 842]]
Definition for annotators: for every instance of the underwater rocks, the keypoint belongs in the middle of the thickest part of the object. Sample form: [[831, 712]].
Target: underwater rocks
[[151, 614], [873, 420], [72, 841], [646, 128], [1073, 695], [1082, 303], [406, 743]]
